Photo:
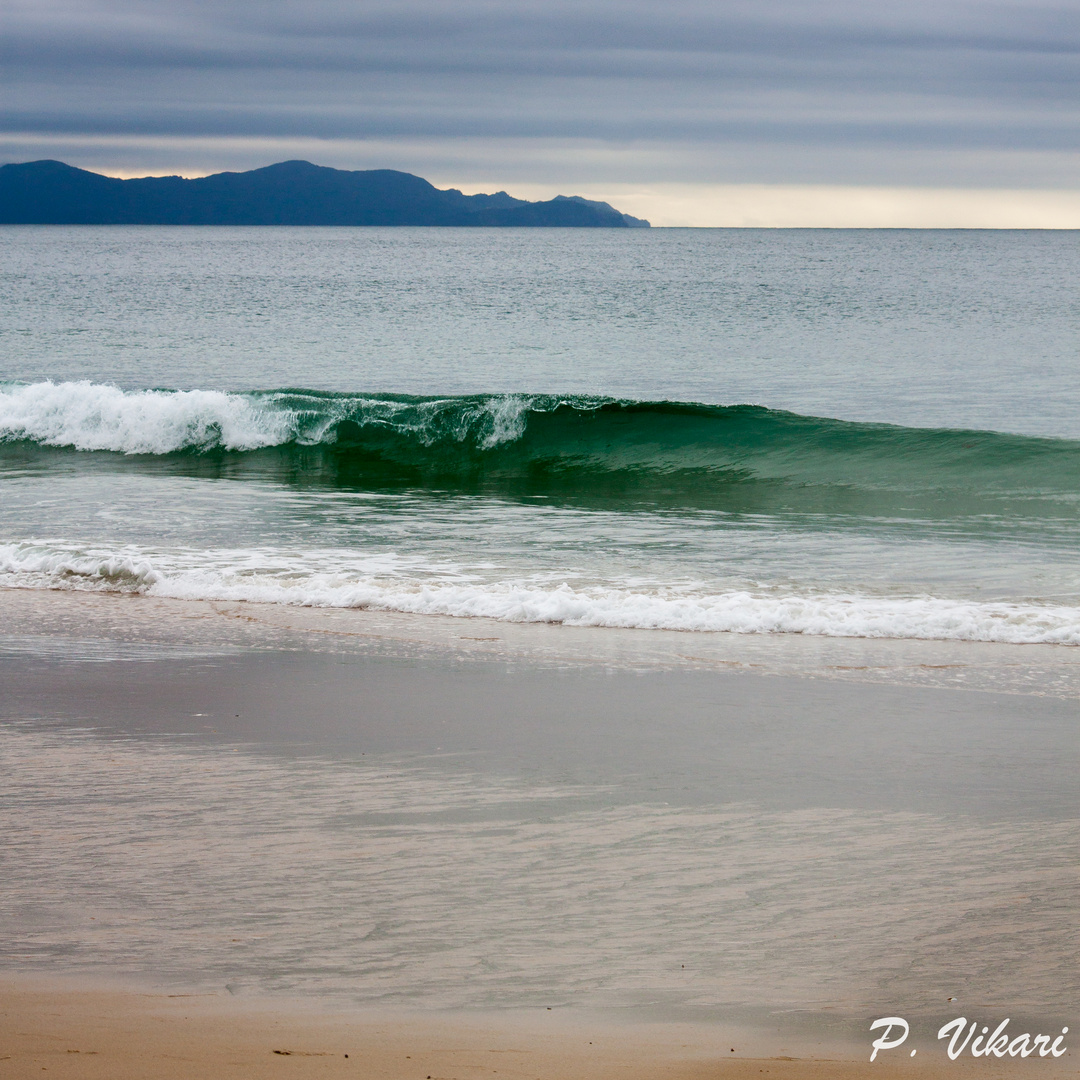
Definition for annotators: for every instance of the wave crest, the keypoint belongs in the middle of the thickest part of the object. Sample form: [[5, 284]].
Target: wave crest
[[91, 416]]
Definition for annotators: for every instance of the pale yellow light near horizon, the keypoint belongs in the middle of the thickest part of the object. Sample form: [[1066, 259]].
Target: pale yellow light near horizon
[[817, 206], [808, 206]]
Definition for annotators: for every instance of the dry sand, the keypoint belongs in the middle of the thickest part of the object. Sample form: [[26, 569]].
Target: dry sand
[[110, 1035]]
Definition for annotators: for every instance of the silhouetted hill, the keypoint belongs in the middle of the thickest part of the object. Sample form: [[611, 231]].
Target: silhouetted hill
[[289, 193]]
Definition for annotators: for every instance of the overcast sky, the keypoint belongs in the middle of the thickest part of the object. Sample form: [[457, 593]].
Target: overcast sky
[[921, 93]]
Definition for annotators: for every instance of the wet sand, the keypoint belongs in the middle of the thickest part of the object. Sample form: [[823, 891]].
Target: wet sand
[[379, 814], [764, 719]]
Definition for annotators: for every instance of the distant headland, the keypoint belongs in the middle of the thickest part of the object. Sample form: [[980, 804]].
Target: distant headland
[[289, 193]]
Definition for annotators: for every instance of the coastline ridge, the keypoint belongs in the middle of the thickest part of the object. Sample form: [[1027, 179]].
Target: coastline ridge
[[287, 193]]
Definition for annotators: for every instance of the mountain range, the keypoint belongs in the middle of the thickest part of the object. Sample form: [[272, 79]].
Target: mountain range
[[289, 193]]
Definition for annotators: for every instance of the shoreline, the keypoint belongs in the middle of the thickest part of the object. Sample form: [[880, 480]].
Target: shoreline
[[35, 619]]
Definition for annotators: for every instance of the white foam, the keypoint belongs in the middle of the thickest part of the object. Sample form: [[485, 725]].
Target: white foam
[[90, 416], [389, 584], [93, 416]]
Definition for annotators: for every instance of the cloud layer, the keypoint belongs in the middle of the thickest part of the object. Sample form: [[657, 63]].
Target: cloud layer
[[736, 91]]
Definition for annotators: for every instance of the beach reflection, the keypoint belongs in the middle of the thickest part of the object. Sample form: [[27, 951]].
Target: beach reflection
[[380, 881]]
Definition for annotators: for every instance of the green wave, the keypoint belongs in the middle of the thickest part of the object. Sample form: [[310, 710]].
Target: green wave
[[742, 458]]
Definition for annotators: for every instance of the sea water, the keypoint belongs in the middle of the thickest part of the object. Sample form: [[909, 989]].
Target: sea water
[[847, 433]]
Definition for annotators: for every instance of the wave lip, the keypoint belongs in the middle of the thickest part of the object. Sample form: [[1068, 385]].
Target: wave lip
[[271, 577], [92, 416]]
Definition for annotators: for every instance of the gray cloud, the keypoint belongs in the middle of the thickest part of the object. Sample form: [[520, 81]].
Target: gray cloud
[[800, 75]]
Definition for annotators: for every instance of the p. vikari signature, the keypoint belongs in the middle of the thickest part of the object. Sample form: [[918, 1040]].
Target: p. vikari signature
[[962, 1037]]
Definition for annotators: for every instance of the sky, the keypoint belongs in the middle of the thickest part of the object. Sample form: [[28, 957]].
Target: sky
[[725, 112]]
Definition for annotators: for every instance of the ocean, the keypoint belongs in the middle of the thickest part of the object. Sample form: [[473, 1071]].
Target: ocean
[[678, 624], [839, 433]]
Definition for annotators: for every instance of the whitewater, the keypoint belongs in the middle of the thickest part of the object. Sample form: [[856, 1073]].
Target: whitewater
[[268, 577]]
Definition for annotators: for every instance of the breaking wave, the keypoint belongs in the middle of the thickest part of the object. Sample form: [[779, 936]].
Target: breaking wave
[[737, 456]]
